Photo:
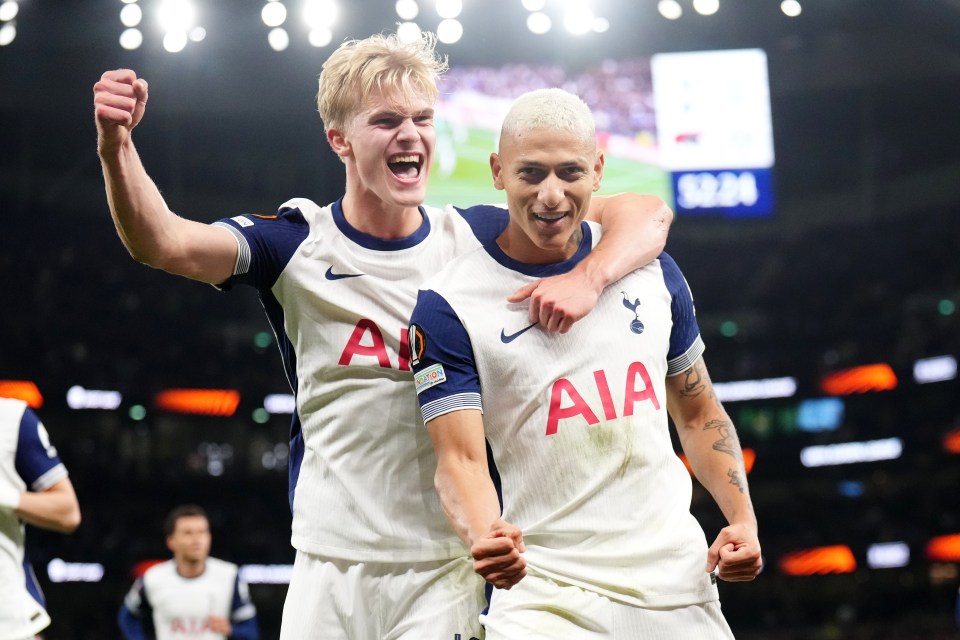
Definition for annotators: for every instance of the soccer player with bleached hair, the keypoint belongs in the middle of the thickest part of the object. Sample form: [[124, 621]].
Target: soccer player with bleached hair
[[586, 533], [375, 556]]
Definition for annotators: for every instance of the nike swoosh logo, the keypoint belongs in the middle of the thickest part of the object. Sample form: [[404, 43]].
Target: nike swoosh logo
[[330, 275], [507, 339]]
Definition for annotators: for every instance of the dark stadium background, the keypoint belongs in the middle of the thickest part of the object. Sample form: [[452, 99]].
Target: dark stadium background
[[850, 270]]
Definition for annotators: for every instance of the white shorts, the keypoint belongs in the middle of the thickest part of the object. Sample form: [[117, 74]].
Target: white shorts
[[538, 608], [338, 600]]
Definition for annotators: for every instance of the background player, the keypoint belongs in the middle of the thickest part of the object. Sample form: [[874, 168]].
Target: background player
[[375, 557], [595, 537], [34, 488], [192, 595]]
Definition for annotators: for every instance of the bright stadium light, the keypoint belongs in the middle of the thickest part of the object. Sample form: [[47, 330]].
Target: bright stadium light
[[600, 25], [8, 10], [176, 15], [8, 33], [670, 9], [320, 36], [278, 38], [131, 15], [706, 7], [449, 31], [578, 19], [273, 14], [538, 23], [197, 34], [175, 41], [534, 5], [408, 32], [320, 13], [131, 39], [791, 8], [407, 9], [448, 9]]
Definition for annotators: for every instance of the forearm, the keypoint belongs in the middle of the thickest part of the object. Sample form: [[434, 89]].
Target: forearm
[[468, 498], [713, 450], [140, 214], [56, 510], [635, 229]]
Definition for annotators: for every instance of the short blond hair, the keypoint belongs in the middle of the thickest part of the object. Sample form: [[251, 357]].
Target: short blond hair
[[554, 109], [381, 62]]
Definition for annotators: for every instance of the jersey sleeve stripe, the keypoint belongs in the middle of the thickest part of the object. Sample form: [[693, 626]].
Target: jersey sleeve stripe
[[685, 360], [447, 404], [243, 249], [50, 478]]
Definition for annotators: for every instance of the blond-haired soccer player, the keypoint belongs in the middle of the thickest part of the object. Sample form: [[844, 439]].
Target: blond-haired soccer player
[[595, 539], [375, 556]]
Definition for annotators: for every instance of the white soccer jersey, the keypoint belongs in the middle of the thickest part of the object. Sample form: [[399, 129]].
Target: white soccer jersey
[[179, 607], [27, 462], [576, 422], [361, 464]]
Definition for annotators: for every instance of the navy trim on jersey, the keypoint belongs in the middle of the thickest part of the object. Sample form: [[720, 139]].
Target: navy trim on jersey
[[32, 584], [33, 459], [543, 270], [685, 333], [297, 449], [434, 314], [486, 221], [373, 242]]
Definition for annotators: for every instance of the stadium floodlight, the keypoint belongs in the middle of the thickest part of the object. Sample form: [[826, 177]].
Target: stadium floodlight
[[670, 9], [320, 36], [131, 15], [449, 31], [197, 34], [9, 10], [8, 33], [320, 13], [273, 14], [407, 9], [538, 23], [176, 15], [534, 5], [578, 19], [600, 25], [131, 39], [278, 38], [448, 9], [791, 8], [175, 41], [706, 7], [408, 32]]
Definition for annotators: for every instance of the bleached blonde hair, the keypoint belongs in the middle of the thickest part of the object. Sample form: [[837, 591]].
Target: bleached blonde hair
[[381, 62], [550, 109]]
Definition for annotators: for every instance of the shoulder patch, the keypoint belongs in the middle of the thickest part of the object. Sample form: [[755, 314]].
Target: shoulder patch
[[430, 377], [243, 221]]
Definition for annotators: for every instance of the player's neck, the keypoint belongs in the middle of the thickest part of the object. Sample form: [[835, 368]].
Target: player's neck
[[367, 213], [190, 568]]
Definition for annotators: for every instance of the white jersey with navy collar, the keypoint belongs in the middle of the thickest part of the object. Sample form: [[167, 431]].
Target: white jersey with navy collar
[[28, 462], [576, 422], [339, 301], [179, 607]]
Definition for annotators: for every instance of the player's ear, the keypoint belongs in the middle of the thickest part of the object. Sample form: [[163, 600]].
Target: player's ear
[[598, 170], [338, 142], [496, 168]]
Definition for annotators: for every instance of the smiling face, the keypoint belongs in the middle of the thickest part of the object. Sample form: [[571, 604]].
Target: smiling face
[[549, 176], [388, 148]]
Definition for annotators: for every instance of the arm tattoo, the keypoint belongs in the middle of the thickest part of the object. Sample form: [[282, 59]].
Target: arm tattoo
[[735, 480], [693, 383], [727, 441]]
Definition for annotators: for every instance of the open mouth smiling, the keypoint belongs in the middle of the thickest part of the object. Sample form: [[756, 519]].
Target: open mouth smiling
[[406, 166]]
